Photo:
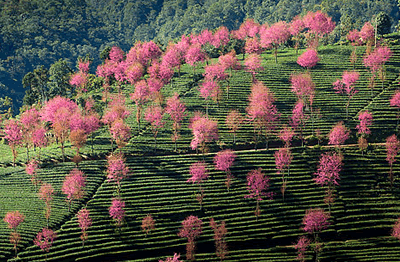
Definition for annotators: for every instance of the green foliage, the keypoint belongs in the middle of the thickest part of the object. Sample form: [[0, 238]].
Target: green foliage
[[383, 23]]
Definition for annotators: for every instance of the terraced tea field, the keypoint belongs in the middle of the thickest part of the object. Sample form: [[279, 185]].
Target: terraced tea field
[[362, 215]]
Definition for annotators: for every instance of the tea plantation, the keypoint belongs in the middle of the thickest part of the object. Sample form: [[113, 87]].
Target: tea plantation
[[362, 216]]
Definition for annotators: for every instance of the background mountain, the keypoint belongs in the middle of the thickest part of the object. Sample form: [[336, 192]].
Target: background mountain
[[34, 32]]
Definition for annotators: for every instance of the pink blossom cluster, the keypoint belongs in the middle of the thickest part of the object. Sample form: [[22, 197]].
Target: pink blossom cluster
[[210, 89], [13, 219], [204, 130], [117, 211], [346, 84], [365, 35], [215, 72], [283, 158], [84, 219], [302, 86], [318, 23], [365, 122], [338, 134], [248, 28], [191, 228], [315, 220], [298, 117], [116, 168], [198, 172], [392, 148], [308, 59], [148, 223], [377, 58], [73, 185], [253, 64], [253, 46], [257, 185], [330, 164], [261, 109], [44, 239], [13, 132], [229, 61], [154, 115], [224, 159], [275, 35], [301, 247], [286, 135], [396, 229]]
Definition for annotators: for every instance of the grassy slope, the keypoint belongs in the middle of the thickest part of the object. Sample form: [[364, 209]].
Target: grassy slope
[[361, 217]]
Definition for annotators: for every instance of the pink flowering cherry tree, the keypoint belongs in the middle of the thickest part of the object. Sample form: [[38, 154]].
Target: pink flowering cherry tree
[[46, 193], [31, 169], [275, 35], [253, 65], [204, 131], [303, 87], [296, 26], [229, 61], [301, 246], [194, 55], [363, 128], [117, 170], [376, 61], [318, 24], [298, 119], [154, 115], [330, 164], [315, 220], [338, 135], [44, 239], [58, 112], [140, 97], [396, 229], [253, 46], [262, 111], [220, 231], [120, 132], [283, 159], [13, 219], [73, 186], [199, 174], [14, 136], [30, 121], [347, 86], [308, 59], [117, 211], [286, 135], [191, 229], [210, 90], [223, 161], [392, 149], [177, 111], [257, 186], [148, 224], [233, 121], [85, 222]]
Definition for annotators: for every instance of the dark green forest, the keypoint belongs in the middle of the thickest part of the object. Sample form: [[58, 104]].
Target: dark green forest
[[45, 38]]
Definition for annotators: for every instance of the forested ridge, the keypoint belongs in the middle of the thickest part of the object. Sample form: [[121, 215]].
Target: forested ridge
[[35, 33]]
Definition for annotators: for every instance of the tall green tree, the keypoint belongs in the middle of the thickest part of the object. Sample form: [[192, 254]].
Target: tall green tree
[[37, 81], [383, 23]]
